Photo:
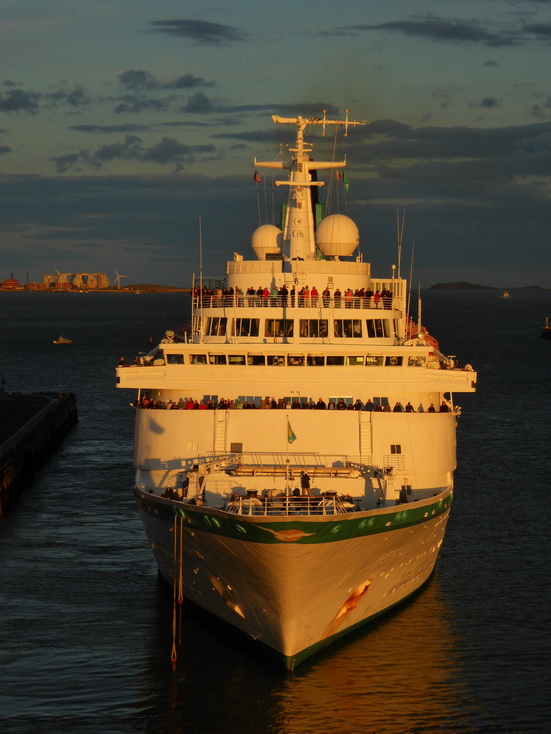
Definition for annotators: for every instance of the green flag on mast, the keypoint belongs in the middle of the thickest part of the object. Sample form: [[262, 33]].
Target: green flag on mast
[[290, 435]]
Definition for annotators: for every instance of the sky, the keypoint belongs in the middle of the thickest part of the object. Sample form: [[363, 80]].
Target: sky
[[128, 130]]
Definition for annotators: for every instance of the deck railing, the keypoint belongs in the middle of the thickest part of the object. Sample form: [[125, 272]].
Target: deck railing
[[326, 504], [245, 301]]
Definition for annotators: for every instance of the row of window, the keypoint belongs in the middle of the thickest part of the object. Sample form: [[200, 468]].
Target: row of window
[[294, 360], [342, 328]]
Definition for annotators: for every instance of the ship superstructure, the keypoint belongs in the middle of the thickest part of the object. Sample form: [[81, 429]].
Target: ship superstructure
[[295, 452]]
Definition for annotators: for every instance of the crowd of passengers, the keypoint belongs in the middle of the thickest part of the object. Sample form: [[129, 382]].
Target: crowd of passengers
[[305, 297], [268, 403]]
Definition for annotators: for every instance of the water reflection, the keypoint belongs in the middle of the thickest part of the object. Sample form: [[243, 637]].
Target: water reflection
[[396, 674]]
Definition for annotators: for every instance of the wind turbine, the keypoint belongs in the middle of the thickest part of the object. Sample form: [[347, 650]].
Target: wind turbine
[[118, 278], [62, 278]]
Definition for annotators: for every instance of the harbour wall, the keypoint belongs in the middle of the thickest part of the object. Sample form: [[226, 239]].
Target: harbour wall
[[32, 425]]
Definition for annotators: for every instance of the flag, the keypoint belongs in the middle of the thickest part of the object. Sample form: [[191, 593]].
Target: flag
[[290, 435], [346, 181], [256, 177]]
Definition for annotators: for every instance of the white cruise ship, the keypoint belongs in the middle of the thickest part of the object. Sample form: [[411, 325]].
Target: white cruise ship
[[295, 452]]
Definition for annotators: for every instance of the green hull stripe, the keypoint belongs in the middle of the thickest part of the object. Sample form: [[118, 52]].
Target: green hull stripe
[[290, 530]]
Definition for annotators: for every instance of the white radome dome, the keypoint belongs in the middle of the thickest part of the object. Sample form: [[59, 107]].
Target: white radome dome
[[266, 239], [337, 236]]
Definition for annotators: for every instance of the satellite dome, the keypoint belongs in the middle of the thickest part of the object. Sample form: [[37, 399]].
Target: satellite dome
[[267, 239], [337, 236]]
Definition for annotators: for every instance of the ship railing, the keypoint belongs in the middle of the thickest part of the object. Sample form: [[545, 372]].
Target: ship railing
[[290, 464], [245, 301], [326, 504]]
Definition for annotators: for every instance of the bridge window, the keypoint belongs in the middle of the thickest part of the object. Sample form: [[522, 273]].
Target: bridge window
[[377, 328], [348, 328], [333, 360], [246, 327], [236, 359], [216, 326], [256, 359], [355, 361], [395, 448], [313, 328], [279, 327], [217, 359]]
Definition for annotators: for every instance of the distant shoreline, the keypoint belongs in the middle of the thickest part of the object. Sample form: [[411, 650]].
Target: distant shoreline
[[136, 291], [151, 288], [462, 285]]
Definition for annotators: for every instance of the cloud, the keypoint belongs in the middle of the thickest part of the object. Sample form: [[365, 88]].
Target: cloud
[[443, 30], [109, 129], [18, 100], [471, 195], [489, 102], [139, 80], [201, 32], [167, 152], [542, 31]]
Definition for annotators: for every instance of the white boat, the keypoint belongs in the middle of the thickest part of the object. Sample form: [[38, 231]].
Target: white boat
[[295, 453]]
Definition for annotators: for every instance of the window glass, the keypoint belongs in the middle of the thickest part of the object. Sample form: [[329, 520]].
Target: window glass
[[175, 358], [355, 360], [256, 359], [236, 359], [334, 360], [377, 328], [198, 358], [246, 327], [393, 361], [295, 360], [278, 327], [315, 360], [313, 327], [216, 326], [373, 360], [276, 360], [217, 359], [348, 328]]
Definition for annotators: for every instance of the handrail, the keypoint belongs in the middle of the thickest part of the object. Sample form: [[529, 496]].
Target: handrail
[[290, 505], [250, 301]]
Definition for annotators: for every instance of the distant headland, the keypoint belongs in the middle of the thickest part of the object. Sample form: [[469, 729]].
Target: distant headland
[[461, 285]]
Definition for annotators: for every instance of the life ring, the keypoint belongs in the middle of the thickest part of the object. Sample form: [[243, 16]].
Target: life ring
[[393, 360], [276, 360]]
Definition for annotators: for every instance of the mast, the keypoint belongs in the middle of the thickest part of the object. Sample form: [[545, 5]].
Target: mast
[[298, 230]]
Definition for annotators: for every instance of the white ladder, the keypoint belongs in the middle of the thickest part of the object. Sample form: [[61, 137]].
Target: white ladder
[[220, 431], [366, 447]]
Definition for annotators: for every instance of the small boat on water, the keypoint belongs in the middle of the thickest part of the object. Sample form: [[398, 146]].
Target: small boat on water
[[546, 330], [505, 294], [293, 520], [62, 340]]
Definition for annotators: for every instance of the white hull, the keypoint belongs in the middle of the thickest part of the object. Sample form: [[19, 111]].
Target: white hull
[[295, 597]]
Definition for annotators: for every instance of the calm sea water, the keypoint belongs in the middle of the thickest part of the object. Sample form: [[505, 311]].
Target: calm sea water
[[85, 625]]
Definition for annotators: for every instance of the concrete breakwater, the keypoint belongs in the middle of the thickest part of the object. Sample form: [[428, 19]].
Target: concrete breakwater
[[32, 425]]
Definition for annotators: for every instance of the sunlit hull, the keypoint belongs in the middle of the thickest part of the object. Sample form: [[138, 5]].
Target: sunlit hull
[[296, 584]]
